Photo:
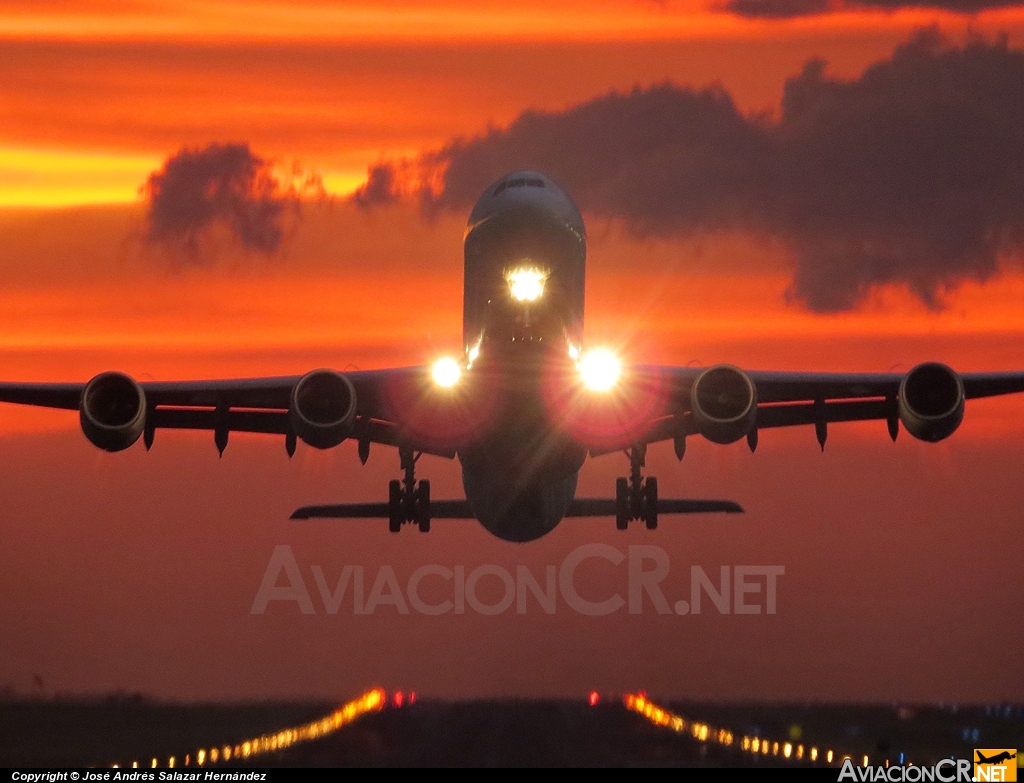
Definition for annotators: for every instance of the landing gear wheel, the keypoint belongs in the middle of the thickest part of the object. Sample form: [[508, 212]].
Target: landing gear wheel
[[423, 506], [650, 503], [396, 513], [621, 504]]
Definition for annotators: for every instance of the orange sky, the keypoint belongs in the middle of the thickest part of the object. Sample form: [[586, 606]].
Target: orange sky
[[96, 94], [109, 561], [441, 22], [82, 284]]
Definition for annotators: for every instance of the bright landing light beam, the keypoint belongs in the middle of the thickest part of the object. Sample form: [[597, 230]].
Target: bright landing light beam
[[446, 372], [600, 370], [526, 285]]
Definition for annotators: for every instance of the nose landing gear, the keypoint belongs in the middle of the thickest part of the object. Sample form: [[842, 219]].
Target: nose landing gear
[[636, 497], [407, 501]]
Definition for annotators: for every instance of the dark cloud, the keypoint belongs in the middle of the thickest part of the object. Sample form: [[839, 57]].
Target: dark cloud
[[379, 188], [778, 9], [622, 154], [912, 174], [787, 9], [219, 185]]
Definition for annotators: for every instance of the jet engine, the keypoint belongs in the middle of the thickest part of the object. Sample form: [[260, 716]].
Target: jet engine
[[112, 411], [723, 401], [323, 408], [931, 401]]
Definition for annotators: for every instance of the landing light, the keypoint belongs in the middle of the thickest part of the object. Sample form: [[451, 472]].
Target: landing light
[[600, 370], [446, 372], [526, 284]]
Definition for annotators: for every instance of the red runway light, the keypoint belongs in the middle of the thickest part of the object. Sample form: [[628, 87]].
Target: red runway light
[[398, 699], [594, 698]]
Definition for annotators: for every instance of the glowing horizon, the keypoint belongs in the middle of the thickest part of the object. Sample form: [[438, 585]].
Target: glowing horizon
[[418, 20]]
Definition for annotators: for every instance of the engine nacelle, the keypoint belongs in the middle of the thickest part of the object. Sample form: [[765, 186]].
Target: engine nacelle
[[931, 402], [112, 411], [323, 408], [723, 401]]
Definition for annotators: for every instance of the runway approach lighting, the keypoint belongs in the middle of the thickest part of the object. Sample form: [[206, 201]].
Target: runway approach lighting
[[526, 284], [600, 370], [446, 372], [372, 701]]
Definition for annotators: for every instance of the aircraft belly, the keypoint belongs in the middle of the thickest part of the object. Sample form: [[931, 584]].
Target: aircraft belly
[[513, 510]]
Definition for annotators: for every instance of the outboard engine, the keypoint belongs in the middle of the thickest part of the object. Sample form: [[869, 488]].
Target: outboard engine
[[931, 401], [112, 411]]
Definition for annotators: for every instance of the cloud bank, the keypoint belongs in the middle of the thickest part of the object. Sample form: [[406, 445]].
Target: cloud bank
[[912, 174], [223, 185], [788, 9]]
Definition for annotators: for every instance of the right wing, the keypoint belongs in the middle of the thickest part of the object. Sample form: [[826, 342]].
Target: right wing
[[122, 409]]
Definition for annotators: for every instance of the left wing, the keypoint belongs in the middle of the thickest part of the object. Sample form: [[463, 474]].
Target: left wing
[[725, 403]]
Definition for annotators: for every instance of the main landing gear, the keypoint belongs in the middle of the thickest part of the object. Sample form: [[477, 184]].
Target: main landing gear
[[408, 502], [636, 497]]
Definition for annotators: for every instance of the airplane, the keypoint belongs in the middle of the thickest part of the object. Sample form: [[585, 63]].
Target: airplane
[[996, 759], [525, 404]]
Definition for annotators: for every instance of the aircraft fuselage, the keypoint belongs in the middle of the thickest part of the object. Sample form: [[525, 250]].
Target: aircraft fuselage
[[525, 258]]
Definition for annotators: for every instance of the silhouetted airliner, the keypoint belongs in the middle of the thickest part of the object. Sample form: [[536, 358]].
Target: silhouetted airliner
[[996, 759], [526, 403]]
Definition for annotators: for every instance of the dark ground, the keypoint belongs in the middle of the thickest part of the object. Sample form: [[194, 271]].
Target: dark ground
[[64, 732], [81, 733]]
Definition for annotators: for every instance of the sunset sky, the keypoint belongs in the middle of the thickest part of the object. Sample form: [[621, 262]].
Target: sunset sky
[[866, 217]]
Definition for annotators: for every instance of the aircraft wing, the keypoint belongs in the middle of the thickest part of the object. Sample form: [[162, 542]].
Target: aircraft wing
[[785, 399], [260, 405], [796, 386]]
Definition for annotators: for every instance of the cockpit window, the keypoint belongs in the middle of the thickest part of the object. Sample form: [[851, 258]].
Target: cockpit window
[[531, 182]]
